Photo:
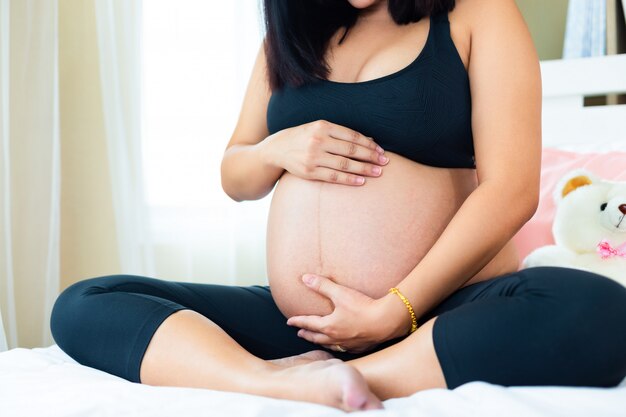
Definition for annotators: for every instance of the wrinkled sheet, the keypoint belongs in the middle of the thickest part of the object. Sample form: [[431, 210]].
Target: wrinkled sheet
[[47, 382]]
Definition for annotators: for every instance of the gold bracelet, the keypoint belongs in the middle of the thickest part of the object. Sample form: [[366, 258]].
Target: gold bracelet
[[408, 305]]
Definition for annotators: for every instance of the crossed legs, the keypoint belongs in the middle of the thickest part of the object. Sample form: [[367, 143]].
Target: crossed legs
[[191, 351], [525, 328]]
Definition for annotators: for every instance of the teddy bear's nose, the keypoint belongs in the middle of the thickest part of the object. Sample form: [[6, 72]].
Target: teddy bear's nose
[[622, 208]]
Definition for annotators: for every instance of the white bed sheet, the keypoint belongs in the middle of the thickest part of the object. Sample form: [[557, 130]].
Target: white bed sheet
[[47, 382]]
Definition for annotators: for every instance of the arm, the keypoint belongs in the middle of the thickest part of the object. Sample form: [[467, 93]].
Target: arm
[[505, 82], [319, 150], [246, 171]]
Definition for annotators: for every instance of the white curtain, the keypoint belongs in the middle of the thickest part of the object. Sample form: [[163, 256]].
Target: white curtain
[[29, 170], [6, 274], [176, 222], [119, 30]]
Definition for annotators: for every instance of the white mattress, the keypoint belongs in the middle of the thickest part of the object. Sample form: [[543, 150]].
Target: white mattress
[[46, 382]]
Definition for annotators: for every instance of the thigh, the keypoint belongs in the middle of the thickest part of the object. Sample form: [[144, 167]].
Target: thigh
[[131, 305], [250, 316], [537, 326], [499, 286]]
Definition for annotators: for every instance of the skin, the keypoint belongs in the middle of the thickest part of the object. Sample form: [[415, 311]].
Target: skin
[[496, 48]]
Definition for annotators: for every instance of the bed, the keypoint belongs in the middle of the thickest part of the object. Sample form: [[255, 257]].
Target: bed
[[47, 382]]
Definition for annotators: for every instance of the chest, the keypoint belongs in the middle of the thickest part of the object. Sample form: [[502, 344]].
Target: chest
[[422, 112]]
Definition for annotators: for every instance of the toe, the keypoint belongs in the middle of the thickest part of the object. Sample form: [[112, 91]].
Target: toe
[[357, 395], [373, 403], [355, 400]]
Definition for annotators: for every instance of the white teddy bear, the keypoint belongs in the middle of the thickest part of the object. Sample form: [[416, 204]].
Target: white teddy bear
[[589, 227]]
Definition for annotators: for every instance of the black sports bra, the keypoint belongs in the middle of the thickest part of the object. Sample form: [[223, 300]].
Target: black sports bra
[[422, 112]]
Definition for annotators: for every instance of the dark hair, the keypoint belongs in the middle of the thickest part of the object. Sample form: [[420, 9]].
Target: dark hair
[[297, 33]]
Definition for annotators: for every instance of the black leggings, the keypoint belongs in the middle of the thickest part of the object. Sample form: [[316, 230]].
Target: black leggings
[[538, 326]]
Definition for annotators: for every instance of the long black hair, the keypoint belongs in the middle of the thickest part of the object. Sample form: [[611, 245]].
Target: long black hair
[[297, 33]]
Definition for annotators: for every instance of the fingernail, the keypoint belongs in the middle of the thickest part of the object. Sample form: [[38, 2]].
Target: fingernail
[[383, 159], [379, 149], [308, 279]]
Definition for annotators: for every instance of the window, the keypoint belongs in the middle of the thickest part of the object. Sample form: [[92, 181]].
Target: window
[[197, 60]]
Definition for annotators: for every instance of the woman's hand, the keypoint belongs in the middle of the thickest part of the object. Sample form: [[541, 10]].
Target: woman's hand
[[357, 324], [326, 151]]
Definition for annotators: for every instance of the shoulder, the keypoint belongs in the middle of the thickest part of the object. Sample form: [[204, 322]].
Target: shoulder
[[489, 18], [490, 29], [477, 11]]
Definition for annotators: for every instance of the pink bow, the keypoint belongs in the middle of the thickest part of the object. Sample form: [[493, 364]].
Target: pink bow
[[607, 251]]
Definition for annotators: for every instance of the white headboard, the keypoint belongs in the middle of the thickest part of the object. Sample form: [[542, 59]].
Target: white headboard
[[565, 83]]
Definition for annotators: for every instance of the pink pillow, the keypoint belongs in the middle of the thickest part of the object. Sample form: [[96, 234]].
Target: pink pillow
[[554, 164]]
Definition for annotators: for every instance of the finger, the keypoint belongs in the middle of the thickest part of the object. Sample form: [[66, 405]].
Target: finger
[[323, 286], [332, 347], [349, 135], [336, 348], [353, 151], [355, 349], [315, 323], [333, 176], [345, 164], [336, 177], [315, 337]]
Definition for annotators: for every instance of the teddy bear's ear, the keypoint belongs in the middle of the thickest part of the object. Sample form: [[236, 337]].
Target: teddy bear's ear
[[571, 181]]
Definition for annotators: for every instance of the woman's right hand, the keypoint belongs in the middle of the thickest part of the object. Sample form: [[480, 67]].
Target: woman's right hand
[[325, 151]]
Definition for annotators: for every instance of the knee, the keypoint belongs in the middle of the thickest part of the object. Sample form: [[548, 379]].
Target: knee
[[589, 298], [608, 299], [604, 325], [71, 308], [588, 313], [601, 296]]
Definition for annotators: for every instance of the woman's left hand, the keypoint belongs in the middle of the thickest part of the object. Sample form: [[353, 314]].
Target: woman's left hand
[[358, 323]]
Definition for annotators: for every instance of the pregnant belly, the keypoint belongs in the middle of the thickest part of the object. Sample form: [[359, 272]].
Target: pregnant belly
[[365, 237]]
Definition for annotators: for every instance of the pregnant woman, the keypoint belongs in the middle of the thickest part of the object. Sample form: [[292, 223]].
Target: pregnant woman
[[403, 139]]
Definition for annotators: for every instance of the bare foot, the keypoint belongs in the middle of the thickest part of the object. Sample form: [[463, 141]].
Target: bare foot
[[312, 356], [331, 382]]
